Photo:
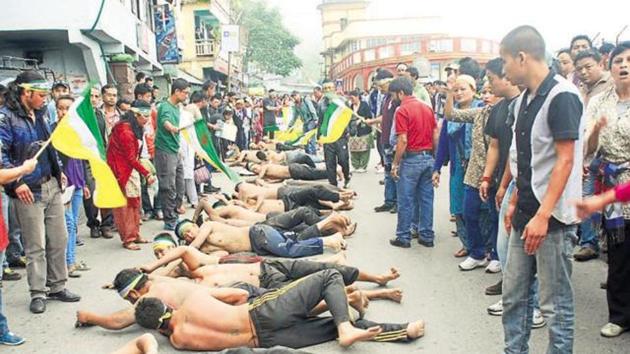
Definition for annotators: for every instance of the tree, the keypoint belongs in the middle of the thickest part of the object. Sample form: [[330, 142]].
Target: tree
[[270, 45]]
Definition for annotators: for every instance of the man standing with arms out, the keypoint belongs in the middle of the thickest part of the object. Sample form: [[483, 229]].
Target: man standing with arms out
[[413, 165], [170, 169], [337, 152], [546, 158], [594, 80], [270, 109], [37, 196]]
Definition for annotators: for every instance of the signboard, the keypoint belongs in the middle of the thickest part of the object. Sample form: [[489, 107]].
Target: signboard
[[230, 41], [166, 36]]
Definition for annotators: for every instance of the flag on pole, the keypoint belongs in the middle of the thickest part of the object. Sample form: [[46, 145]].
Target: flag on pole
[[336, 119], [291, 134], [303, 139], [78, 137], [198, 136]]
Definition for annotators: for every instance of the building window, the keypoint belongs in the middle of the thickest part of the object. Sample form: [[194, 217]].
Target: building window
[[441, 45], [375, 42], [385, 52], [468, 45], [409, 48], [369, 55]]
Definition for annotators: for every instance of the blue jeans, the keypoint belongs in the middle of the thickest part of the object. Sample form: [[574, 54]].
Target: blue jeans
[[415, 198], [588, 227], [72, 217], [4, 325], [502, 235], [552, 264], [390, 183], [478, 234], [269, 240]]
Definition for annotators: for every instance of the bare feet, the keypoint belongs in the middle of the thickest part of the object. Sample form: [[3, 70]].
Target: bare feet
[[351, 229], [335, 242], [394, 295], [358, 301], [385, 278], [415, 329], [348, 334]]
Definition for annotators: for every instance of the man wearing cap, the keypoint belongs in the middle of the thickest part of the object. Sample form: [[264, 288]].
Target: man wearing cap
[[59, 88], [36, 196], [123, 156]]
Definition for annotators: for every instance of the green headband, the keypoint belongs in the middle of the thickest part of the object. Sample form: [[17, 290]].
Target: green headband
[[42, 86]]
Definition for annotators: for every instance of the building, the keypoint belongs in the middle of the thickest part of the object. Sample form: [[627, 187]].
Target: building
[[81, 40], [202, 29], [355, 46]]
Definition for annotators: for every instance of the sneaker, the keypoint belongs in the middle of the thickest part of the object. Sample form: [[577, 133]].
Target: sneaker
[[496, 309], [424, 243], [493, 267], [584, 254], [538, 321], [9, 274], [611, 330], [398, 243], [471, 263], [80, 242], [383, 208], [94, 232], [11, 339], [18, 263], [381, 182], [394, 209], [496, 289], [64, 296]]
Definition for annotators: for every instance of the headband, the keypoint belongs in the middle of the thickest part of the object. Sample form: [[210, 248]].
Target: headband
[[162, 244], [125, 291], [145, 111], [182, 227], [41, 86], [166, 316]]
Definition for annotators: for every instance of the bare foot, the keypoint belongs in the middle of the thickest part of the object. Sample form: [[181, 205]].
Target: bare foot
[[349, 334], [415, 329], [357, 301], [334, 242], [351, 229], [394, 295], [385, 278]]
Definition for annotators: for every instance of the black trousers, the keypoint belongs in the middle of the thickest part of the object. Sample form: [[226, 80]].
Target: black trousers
[[301, 158], [618, 289], [276, 273], [91, 211], [302, 221], [306, 173], [294, 197], [337, 153], [281, 316]]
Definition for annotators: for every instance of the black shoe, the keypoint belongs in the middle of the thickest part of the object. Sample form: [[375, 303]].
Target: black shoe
[[9, 274], [398, 243], [414, 234], [94, 232], [19, 262], [38, 305], [426, 243], [64, 296], [381, 182], [80, 242], [394, 209], [496, 289], [107, 233], [603, 285], [383, 208]]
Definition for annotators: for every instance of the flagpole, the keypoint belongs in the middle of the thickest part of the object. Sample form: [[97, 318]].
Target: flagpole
[[41, 149]]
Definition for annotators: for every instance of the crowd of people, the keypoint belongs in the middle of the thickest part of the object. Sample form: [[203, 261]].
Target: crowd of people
[[525, 138]]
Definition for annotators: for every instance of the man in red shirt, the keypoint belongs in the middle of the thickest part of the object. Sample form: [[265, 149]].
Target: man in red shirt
[[417, 134]]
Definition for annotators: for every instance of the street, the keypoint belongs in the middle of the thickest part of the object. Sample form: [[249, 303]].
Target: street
[[450, 301]]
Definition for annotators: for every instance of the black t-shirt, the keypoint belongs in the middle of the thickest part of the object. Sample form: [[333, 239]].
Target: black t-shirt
[[499, 126], [269, 116]]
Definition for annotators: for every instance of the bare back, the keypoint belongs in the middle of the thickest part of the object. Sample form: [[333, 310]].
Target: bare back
[[205, 323]]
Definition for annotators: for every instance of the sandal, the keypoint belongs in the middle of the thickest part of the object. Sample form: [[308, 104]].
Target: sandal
[[141, 240], [131, 246], [461, 253]]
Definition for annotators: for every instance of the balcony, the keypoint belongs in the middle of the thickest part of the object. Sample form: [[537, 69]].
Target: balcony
[[205, 47]]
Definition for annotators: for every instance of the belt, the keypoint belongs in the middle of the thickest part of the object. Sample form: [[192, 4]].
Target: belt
[[418, 152]]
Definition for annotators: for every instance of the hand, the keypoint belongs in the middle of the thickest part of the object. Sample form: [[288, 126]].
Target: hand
[[29, 166], [436, 179], [394, 172], [507, 219], [588, 206], [151, 179], [64, 179], [498, 199], [483, 190], [450, 82], [146, 269], [535, 233], [82, 320], [24, 194], [86, 193]]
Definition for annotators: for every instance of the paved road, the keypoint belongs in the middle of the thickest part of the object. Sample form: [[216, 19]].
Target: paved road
[[451, 302]]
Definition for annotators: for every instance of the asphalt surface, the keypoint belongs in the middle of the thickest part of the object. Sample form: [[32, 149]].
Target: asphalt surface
[[450, 301]]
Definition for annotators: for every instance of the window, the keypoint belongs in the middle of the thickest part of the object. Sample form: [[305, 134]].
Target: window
[[409, 48], [375, 42], [385, 52], [441, 45], [468, 45], [369, 55]]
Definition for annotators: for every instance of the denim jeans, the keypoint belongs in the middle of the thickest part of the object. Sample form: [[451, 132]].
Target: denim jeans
[[588, 227], [552, 264], [4, 326], [267, 240], [415, 198], [5, 215], [72, 223], [390, 183], [460, 228], [502, 235], [480, 230]]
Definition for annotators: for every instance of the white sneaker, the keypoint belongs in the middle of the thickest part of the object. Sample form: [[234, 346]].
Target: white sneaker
[[611, 330], [493, 267], [538, 321], [496, 309], [471, 263]]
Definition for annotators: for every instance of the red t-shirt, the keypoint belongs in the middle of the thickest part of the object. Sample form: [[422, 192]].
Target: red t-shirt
[[416, 119]]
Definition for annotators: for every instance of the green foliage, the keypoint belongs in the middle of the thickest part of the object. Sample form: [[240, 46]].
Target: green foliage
[[270, 45]]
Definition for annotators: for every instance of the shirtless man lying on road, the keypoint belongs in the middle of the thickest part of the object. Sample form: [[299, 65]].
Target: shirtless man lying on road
[[278, 317], [278, 173], [261, 239]]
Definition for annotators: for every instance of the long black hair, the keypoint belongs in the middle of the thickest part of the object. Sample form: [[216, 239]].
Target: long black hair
[[15, 91]]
